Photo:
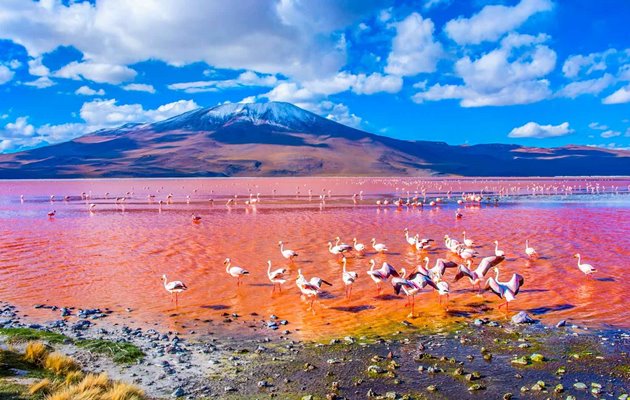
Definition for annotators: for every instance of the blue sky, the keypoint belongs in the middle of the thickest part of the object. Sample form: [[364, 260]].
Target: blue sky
[[533, 72]]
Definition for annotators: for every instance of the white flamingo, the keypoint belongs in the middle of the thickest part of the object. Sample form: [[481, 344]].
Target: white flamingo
[[378, 247], [476, 276], [174, 287], [286, 253], [530, 251], [348, 277], [277, 276], [235, 271], [310, 288], [338, 249], [411, 240], [588, 269], [382, 274], [358, 247], [468, 242], [497, 252], [505, 290]]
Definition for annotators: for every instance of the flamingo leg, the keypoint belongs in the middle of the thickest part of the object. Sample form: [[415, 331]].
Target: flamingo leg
[[175, 299]]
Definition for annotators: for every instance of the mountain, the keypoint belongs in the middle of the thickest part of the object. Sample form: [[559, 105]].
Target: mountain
[[280, 139]]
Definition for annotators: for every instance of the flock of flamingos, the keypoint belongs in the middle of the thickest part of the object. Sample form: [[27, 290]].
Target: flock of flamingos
[[410, 283]]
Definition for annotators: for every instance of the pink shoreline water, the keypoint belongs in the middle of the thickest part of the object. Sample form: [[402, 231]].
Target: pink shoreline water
[[114, 257]]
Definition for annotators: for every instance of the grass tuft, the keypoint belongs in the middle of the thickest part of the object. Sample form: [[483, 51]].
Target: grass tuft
[[36, 353], [45, 386], [17, 335], [60, 364], [123, 391], [120, 352]]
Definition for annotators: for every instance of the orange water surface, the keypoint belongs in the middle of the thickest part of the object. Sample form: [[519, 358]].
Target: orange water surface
[[114, 257]]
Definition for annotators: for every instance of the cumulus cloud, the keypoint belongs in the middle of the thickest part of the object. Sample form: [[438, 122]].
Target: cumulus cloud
[[588, 86], [597, 126], [295, 38], [498, 77], [339, 112], [414, 50], [97, 72], [535, 130], [247, 78], [139, 87], [88, 91], [577, 64], [37, 68], [42, 82], [610, 133], [493, 21], [5, 74], [620, 96], [97, 114], [107, 113]]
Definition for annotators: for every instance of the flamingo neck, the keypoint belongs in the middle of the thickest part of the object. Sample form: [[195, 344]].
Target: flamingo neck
[[281, 247], [579, 260], [268, 267], [337, 241], [496, 278], [403, 272]]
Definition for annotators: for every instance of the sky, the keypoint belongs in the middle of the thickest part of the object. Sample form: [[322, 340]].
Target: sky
[[532, 72]]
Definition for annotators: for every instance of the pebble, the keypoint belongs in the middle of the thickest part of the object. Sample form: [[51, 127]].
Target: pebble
[[580, 386], [522, 318], [179, 392]]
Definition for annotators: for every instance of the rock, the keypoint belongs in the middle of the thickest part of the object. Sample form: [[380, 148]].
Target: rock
[[561, 324], [579, 386], [559, 388], [432, 388], [561, 370], [370, 393], [520, 360], [392, 395], [522, 318], [538, 386], [537, 357], [179, 392], [263, 384], [623, 397], [478, 322], [475, 387], [375, 369], [571, 398], [458, 372], [508, 396], [229, 389], [349, 339], [81, 325]]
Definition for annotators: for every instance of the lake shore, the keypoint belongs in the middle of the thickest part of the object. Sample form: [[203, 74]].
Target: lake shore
[[481, 358]]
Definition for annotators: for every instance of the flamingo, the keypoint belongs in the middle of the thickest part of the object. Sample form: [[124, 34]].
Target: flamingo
[[92, 207], [586, 268], [348, 277], [379, 247], [338, 249], [530, 250], [234, 271], [411, 286], [458, 214], [174, 287], [468, 242], [195, 218], [412, 240], [382, 274], [423, 244], [277, 276], [51, 214], [505, 290], [310, 288], [288, 254], [497, 252], [359, 247], [476, 276]]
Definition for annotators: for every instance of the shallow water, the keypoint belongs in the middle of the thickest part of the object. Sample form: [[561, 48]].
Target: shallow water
[[114, 257]]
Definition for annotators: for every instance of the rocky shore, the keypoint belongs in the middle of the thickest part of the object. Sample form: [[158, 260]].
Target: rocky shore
[[478, 359]]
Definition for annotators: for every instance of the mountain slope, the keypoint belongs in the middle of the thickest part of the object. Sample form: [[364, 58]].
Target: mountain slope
[[280, 139]]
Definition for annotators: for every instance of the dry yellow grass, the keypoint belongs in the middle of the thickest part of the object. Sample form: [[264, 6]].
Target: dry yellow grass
[[74, 377], [60, 364], [36, 352], [44, 386], [91, 381], [123, 391]]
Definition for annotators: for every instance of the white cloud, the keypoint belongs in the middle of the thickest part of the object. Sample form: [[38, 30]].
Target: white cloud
[[139, 87], [14, 64], [610, 133], [37, 68], [5, 74], [88, 91], [429, 4], [414, 49], [535, 130], [296, 38], [493, 21], [620, 96], [589, 86], [498, 77], [97, 72], [247, 78], [597, 126], [339, 112], [576, 64], [248, 99], [106, 113], [42, 82]]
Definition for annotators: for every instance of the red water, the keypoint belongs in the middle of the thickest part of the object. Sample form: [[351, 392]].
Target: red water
[[115, 256]]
